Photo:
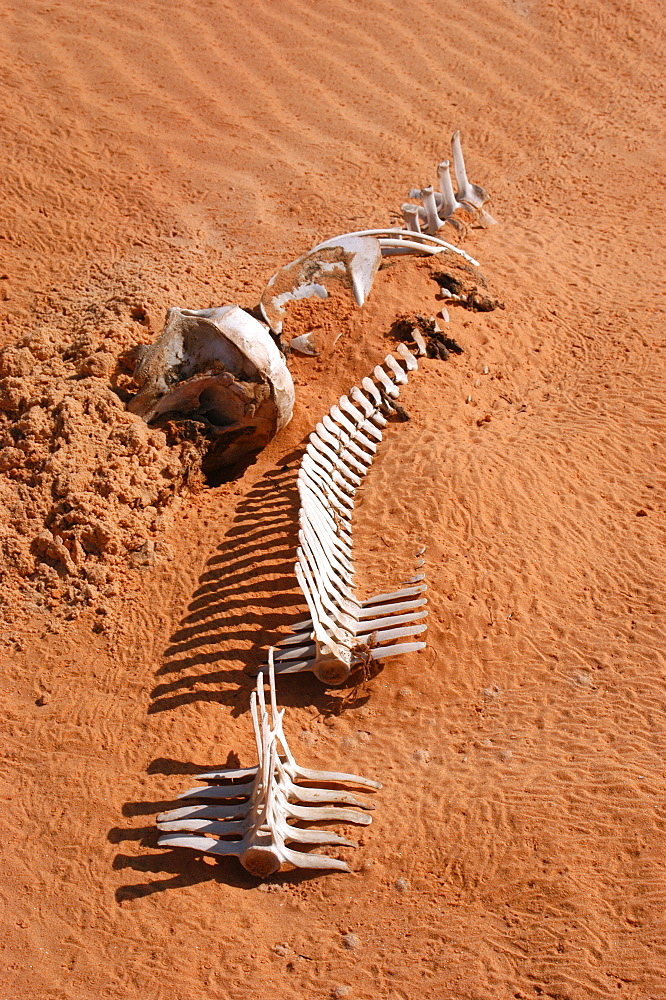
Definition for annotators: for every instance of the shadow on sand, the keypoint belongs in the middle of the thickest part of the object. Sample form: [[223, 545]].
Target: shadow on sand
[[247, 591]]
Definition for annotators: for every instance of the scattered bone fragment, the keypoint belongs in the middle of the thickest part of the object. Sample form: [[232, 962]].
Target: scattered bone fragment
[[304, 345], [426, 334], [246, 812], [467, 286], [219, 371], [350, 260]]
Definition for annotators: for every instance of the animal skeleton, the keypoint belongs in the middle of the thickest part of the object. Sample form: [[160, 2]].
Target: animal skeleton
[[253, 805], [340, 629]]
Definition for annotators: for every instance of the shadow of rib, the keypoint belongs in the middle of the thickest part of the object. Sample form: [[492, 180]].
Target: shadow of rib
[[246, 595]]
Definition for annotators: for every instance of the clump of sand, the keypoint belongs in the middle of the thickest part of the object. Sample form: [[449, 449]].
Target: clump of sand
[[85, 486]]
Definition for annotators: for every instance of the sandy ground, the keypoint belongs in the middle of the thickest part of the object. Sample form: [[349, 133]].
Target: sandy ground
[[157, 154]]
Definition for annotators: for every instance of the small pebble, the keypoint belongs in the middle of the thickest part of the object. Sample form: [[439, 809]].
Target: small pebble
[[421, 756], [641, 513], [402, 886], [341, 991], [281, 949], [350, 942], [43, 699]]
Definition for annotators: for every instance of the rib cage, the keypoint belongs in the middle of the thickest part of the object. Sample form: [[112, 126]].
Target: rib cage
[[343, 631]]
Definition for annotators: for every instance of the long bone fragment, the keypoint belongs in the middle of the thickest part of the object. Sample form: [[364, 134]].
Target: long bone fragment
[[343, 631], [250, 820]]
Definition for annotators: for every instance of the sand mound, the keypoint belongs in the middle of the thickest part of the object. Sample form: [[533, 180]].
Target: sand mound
[[84, 484]]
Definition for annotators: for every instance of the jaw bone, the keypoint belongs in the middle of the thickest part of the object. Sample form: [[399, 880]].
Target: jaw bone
[[220, 369], [342, 631], [254, 814]]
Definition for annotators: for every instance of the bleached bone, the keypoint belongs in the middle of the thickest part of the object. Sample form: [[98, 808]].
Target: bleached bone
[[407, 356], [468, 193], [221, 368], [450, 203], [342, 631], [430, 205], [349, 260], [410, 214], [251, 818], [441, 206], [474, 194], [402, 240], [304, 345], [419, 340]]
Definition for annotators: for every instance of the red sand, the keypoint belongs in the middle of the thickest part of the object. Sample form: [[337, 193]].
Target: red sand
[[158, 155]]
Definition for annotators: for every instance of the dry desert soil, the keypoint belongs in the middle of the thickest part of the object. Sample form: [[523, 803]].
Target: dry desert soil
[[158, 154]]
